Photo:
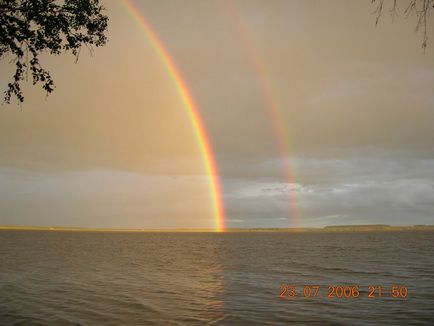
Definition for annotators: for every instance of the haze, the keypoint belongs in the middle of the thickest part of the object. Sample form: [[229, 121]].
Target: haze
[[113, 145]]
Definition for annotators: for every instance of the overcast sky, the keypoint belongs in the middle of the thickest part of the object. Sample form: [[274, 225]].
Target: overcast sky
[[113, 146]]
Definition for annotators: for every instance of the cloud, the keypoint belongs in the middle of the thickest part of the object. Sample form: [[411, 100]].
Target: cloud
[[104, 198], [114, 145], [345, 191], [235, 221]]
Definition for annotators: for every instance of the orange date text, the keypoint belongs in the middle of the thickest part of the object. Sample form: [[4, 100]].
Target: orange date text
[[333, 291]]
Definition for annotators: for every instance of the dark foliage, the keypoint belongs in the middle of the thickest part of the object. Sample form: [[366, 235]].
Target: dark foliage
[[420, 8], [31, 27]]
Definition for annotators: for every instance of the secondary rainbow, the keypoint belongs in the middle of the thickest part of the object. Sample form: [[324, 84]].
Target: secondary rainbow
[[274, 112], [192, 111]]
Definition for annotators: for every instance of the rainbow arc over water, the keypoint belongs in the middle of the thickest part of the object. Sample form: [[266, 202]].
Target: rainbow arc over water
[[191, 109]]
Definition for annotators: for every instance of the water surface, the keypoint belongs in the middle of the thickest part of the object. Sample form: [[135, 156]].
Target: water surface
[[97, 278]]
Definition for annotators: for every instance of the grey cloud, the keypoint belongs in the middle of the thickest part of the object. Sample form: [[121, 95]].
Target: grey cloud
[[342, 190], [356, 100]]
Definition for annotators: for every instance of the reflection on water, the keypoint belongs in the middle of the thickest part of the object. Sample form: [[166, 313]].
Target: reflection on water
[[223, 279], [90, 278]]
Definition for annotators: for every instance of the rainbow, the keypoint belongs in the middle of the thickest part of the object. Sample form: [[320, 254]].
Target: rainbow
[[274, 112], [192, 111]]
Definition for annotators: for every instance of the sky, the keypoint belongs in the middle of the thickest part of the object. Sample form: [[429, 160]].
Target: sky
[[112, 146]]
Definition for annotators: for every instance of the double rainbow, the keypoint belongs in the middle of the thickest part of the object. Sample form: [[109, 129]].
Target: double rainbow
[[277, 118], [192, 111]]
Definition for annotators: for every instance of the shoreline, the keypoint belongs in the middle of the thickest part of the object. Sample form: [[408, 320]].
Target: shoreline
[[326, 229]]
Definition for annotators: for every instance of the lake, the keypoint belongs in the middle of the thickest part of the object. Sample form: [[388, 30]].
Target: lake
[[115, 278]]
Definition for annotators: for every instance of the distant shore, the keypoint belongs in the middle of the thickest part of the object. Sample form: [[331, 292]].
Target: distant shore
[[332, 228]]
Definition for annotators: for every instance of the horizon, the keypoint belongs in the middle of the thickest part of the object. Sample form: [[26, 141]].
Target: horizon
[[218, 162], [331, 228]]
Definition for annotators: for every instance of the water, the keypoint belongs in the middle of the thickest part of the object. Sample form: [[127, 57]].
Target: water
[[79, 278]]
